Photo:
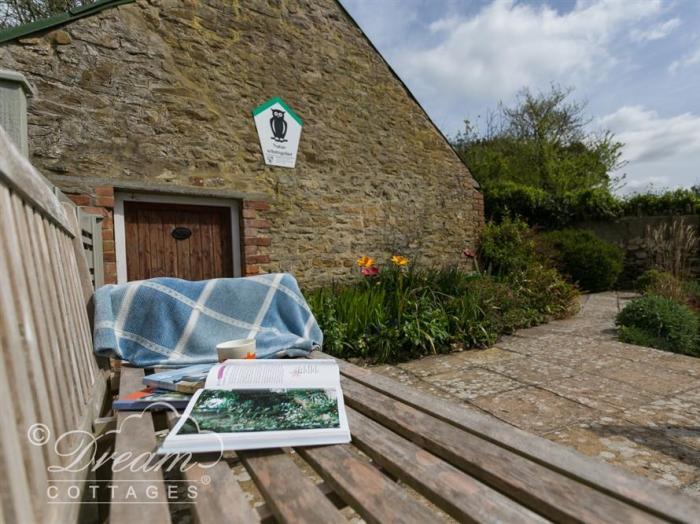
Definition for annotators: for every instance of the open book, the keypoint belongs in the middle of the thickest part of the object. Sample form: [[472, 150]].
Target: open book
[[253, 404]]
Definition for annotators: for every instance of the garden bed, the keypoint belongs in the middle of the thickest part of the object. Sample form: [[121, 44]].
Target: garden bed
[[400, 312]]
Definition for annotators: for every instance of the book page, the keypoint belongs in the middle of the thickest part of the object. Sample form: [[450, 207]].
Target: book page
[[274, 373], [258, 404]]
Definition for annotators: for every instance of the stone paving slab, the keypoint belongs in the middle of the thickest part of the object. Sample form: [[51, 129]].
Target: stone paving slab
[[676, 417], [638, 449], [534, 409], [531, 370], [651, 378], [681, 364], [602, 394], [434, 365], [437, 364], [572, 382], [472, 383], [406, 377]]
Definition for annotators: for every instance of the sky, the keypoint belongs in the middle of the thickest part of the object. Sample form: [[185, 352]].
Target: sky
[[636, 63]]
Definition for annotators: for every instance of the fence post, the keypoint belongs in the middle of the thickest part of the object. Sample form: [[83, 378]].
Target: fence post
[[14, 91]]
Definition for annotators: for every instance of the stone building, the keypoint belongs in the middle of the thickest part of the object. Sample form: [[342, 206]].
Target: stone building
[[142, 114]]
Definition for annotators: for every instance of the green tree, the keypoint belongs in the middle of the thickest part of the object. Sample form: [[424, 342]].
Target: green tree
[[543, 142], [20, 12]]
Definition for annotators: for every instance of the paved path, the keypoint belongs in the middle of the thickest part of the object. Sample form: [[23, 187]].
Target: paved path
[[570, 381]]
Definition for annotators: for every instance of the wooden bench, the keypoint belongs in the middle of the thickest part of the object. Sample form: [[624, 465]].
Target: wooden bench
[[413, 458]]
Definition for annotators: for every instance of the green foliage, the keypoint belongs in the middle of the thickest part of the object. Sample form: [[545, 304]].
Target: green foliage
[[544, 291], [405, 314], [537, 162], [589, 261], [659, 322], [507, 247], [662, 283], [262, 410], [542, 143], [678, 202], [552, 211], [378, 317], [20, 12], [548, 210]]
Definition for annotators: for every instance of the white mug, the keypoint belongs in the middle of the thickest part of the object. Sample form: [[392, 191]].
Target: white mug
[[239, 348]]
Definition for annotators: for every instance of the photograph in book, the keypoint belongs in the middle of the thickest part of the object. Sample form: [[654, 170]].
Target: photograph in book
[[267, 403], [224, 411]]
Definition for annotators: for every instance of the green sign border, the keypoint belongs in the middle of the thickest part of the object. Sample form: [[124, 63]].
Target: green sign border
[[277, 100]]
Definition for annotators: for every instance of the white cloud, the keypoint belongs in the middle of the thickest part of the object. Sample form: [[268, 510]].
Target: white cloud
[[507, 45], [655, 32], [649, 137], [690, 59]]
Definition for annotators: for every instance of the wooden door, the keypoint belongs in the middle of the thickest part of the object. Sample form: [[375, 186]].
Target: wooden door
[[176, 240]]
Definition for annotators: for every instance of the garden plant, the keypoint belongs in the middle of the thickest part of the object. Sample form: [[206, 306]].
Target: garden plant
[[666, 317], [398, 310]]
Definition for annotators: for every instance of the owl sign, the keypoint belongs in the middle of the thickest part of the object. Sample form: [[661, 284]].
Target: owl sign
[[279, 130]]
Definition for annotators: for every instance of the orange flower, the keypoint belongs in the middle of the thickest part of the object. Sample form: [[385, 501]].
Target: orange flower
[[250, 356], [365, 261], [398, 260]]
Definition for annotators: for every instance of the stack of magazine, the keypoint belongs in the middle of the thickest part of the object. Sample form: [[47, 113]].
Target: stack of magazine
[[166, 390], [252, 404]]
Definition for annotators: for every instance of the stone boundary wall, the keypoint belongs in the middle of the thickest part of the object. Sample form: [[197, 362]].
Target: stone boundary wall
[[629, 233]]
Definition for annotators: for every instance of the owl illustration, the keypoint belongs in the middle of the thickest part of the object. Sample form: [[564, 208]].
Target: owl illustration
[[278, 125]]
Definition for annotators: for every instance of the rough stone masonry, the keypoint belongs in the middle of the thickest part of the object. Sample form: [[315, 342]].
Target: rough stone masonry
[[158, 94]]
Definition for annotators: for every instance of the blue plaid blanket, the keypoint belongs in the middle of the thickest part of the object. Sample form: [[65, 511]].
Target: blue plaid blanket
[[173, 322]]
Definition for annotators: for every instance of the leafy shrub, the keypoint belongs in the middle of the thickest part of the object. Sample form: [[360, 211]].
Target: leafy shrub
[[659, 322], [677, 202], [662, 283], [545, 292], [589, 261], [692, 293], [395, 313], [404, 313], [547, 210], [507, 247]]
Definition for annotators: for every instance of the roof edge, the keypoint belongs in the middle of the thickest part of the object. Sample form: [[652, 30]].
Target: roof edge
[[100, 5], [408, 91], [60, 19]]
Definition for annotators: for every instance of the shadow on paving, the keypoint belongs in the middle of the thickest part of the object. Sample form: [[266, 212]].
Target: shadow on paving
[[657, 439]]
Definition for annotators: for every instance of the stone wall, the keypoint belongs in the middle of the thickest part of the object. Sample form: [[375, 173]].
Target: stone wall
[[630, 234], [158, 95]]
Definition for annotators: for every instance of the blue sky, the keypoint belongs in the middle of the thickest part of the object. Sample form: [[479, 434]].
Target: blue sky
[[636, 63]]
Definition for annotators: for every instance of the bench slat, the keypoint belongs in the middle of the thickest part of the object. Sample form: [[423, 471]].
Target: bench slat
[[219, 497], [218, 491], [136, 436], [86, 357], [533, 485], [291, 496], [16, 326], [16, 495], [374, 496], [56, 320], [652, 496], [69, 320], [40, 344], [19, 175], [461, 496]]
